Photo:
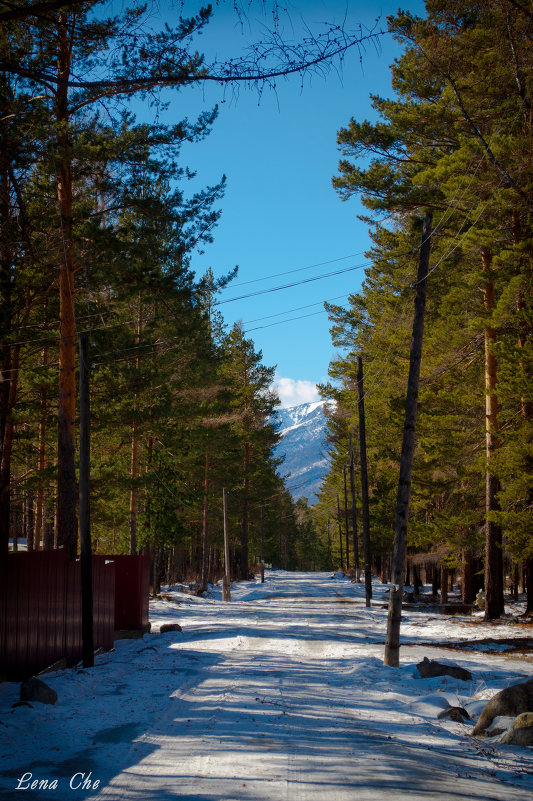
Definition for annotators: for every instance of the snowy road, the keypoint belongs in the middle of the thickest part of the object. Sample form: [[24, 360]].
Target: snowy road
[[279, 695]]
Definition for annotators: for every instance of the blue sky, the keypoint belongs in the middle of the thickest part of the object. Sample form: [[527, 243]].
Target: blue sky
[[280, 212]]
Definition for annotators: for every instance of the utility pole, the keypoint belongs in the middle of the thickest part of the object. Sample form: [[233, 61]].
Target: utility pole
[[364, 482], [340, 528], [226, 581], [346, 521], [392, 644], [86, 559], [354, 512], [262, 542]]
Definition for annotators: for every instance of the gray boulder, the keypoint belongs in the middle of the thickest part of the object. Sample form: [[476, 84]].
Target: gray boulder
[[429, 669], [37, 690], [510, 702], [170, 627], [523, 721], [456, 713], [522, 731]]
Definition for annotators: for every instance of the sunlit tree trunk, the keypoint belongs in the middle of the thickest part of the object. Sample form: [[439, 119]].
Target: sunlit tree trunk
[[392, 644], [205, 532], [244, 518], [364, 482], [134, 458], [493, 532], [6, 374]]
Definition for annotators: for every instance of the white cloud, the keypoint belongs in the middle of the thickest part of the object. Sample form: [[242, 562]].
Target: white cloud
[[292, 392]]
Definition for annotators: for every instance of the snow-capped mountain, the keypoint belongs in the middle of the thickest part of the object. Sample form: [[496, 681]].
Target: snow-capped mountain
[[303, 443]]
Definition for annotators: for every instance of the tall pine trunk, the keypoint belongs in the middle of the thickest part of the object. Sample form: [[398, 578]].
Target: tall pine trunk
[[6, 314], [526, 404], [346, 523], [134, 456], [244, 519], [66, 470], [205, 531], [354, 512], [528, 576], [468, 593], [392, 645], [7, 448], [364, 481], [493, 533], [340, 531], [41, 461], [134, 464]]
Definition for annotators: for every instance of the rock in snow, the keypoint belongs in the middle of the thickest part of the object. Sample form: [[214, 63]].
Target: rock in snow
[[429, 669], [521, 732], [169, 627], [37, 690], [509, 702]]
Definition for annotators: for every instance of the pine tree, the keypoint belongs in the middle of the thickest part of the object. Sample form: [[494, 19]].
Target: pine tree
[[252, 403]]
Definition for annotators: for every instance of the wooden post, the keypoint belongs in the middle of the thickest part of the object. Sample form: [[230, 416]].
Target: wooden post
[[392, 644], [87, 633], [262, 542], [354, 512], [226, 581], [364, 482]]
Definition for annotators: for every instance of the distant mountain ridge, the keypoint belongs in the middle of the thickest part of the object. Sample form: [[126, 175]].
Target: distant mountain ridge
[[304, 446]]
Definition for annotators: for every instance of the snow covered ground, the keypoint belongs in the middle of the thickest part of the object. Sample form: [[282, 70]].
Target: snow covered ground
[[280, 694]]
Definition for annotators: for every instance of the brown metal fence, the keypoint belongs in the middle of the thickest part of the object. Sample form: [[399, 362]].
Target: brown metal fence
[[132, 588], [40, 607]]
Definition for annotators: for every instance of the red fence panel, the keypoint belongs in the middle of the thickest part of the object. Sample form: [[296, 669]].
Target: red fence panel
[[103, 602], [33, 625], [132, 589], [73, 614], [40, 610]]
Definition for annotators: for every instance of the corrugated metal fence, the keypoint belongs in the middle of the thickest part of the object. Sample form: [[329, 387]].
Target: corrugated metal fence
[[40, 607], [132, 588]]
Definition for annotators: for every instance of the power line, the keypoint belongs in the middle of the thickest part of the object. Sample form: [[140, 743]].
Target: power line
[[288, 320], [297, 270], [295, 283], [297, 308]]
